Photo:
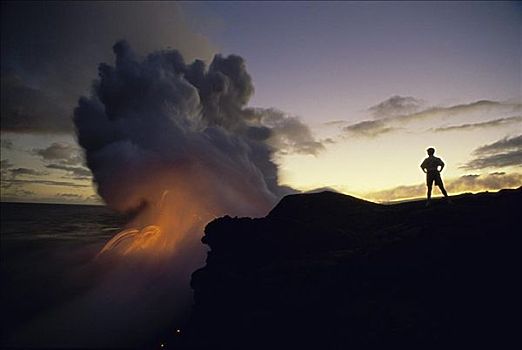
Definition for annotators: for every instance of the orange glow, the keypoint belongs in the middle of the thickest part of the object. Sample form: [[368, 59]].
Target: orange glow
[[178, 206], [161, 229]]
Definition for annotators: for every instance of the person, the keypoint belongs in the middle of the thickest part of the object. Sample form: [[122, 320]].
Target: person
[[431, 166]]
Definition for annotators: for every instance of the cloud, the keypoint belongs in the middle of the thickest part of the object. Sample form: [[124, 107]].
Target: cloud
[[369, 128], [159, 115], [93, 199], [505, 144], [288, 134], [335, 123], [5, 164], [69, 195], [77, 172], [62, 152], [487, 124], [502, 153], [26, 109], [481, 106], [26, 171], [328, 141], [396, 106], [16, 193], [466, 183], [24, 193], [46, 67], [513, 158], [493, 181], [6, 144], [392, 114], [17, 182]]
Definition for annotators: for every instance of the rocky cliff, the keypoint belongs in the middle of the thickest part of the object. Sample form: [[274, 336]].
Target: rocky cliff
[[330, 271]]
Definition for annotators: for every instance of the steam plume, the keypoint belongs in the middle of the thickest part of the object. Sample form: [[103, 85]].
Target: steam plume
[[176, 143], [161, 124]]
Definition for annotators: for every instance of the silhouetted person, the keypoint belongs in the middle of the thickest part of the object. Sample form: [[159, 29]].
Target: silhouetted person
[[431, 166]]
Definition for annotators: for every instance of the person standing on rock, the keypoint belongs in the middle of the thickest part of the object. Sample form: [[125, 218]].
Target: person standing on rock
[[431, 166]]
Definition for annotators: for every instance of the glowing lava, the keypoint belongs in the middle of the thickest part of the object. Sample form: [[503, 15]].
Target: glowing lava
[[170, 223], [135, 240], [169, 218]]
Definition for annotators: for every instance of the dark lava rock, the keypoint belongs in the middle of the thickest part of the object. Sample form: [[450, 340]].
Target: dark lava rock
[[329, 271]]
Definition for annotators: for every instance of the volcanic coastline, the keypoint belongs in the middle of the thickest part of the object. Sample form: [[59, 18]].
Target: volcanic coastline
[[330, 271]]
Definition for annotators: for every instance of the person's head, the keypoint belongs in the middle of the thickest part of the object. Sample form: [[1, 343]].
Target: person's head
[[430, 151]]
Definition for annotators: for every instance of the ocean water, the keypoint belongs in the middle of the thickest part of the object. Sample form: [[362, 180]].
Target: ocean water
[[32, 222], [56, 294], [46, 255]]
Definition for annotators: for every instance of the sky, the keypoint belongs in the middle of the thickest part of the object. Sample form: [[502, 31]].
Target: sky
[[373, 83]]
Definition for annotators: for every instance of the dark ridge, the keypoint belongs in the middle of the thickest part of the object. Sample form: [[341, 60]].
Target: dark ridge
[[329, 271], [302, 205]]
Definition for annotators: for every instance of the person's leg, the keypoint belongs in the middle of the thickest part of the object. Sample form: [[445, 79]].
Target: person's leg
[[440, 184], [429, 184], [443, 190], [428, 202]]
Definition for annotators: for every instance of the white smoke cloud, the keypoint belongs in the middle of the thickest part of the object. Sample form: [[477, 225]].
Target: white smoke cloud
[[158, 116]]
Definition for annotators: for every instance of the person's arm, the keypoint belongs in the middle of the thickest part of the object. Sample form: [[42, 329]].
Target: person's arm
[[441, 165], [423, 166]]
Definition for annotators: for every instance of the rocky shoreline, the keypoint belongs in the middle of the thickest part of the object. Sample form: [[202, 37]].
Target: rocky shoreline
[[330, 271]]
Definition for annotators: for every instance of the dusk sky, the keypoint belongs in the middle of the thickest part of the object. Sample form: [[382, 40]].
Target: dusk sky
[[373, 84]]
